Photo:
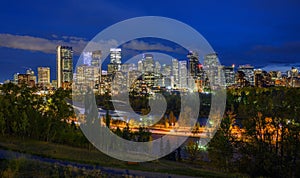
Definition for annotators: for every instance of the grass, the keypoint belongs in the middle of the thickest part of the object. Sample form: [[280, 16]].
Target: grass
[[22, 167], [95, 157]]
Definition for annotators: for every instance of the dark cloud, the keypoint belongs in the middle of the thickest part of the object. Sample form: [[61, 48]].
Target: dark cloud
[[292, 47], [32, 43]]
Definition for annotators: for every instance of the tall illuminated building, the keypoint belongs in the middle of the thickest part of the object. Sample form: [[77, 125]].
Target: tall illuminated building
[[31, 74], [140, 66], [43, 76], [87, 57], [175, 72], [115, 60], [97, 63], [182, 74], [166, 70], [157, 67], [15, 81], [229, 75], [87, 76], [248, 70], [96, 58], [148, 63], [293, 76], [193, 64], [64, 65], [212, 68], [166, 74], [294, 72]]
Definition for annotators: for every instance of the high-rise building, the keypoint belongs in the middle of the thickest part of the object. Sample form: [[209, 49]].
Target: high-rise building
[[166, 70], [140, 66], [115, 55], [115, 60], [157, 67], [32, 76], [125, 68], [87, 76], [97, 64], [263, 78], [15, 81], [148, 63], [43, 76], [87, 57], [182, 74], [248, 70], [175, 73], [96, 59], [275, 75], [212, 68], [26, 79], [229, 75], [166, 75], [64, 65], [293, 75], [294, 72], [193, 64]]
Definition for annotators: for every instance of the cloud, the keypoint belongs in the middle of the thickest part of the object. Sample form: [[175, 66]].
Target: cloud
[[32, 43], [281, 67], [54, 36], [292, 47], [143, 46]]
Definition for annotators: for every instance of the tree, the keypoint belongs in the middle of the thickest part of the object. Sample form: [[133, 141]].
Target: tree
[[221, 146], [2, 123], [107, 119], [172, 118], [193, 150]]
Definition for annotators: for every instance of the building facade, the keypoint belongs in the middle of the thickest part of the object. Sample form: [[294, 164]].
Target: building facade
[[44, 76], [64, 66]]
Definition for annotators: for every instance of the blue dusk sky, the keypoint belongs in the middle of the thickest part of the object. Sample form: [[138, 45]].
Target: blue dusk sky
[[261, 33]]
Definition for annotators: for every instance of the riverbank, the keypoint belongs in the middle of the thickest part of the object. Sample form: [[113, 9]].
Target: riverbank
[[96, 158]]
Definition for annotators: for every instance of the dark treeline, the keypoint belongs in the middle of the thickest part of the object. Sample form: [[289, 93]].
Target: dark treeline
[[269, 140], [26, 114]]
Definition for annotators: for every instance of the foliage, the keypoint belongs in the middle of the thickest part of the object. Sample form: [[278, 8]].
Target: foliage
[[26, 114], [193, 150], [270, 133]]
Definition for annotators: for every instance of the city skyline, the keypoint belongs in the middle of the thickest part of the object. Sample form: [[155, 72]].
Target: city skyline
[[264, 34], [95, 59], [148, 68]]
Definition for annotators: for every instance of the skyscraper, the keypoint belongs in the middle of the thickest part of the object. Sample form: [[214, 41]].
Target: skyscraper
[[229, 75], [157, 67], [115, 60], [43, 76], [193, 64], [64, 65], [87, 76], [166, 74], [97, 63], [175, 72], [87, 57], [248, 70], [182, 74], [211, 66], [148, 63], [96, 59], [140, 66]]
